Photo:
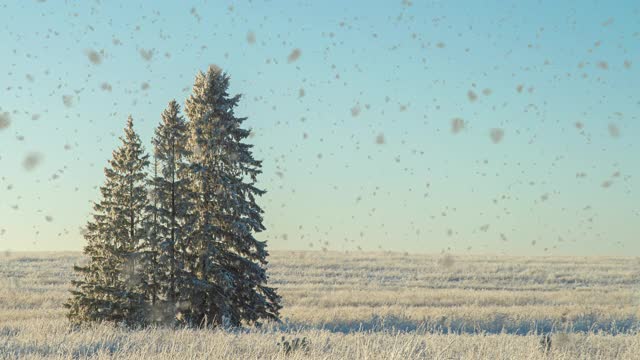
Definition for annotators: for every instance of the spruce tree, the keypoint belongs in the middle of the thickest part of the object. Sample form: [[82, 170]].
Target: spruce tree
[[150, 251], [231, 286], [171, 219], [110, 287]]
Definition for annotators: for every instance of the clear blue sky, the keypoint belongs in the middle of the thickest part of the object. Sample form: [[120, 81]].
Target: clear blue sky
[[367, 157]]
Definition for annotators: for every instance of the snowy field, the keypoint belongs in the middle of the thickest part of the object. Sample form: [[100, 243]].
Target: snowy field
[[361, 306]]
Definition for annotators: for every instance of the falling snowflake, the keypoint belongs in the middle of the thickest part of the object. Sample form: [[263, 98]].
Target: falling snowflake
[[146, 54], [457, 125], [5, 120], [295, 55], [355, 110], [106, 86], [251, 37], [614, 131], [67, 100], [94, 57], [496, 135], [31, 161]]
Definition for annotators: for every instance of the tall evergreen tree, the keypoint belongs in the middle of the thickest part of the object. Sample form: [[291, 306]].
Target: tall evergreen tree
[[150, 251], [110, 288], [171, 219], [231, 285]]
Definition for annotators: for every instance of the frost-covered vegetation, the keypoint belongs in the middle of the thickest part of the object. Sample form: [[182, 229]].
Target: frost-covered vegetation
[[361, 305], [177, 246]]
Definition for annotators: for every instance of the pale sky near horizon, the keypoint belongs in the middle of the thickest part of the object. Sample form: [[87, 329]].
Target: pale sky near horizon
[[353, 107]]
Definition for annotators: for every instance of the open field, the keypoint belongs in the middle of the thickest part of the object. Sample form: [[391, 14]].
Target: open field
[[363, 306]]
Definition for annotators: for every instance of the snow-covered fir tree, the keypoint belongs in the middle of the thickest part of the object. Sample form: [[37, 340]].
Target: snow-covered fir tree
[[110, 287], [231, 286], [169, 272], [152, 271]]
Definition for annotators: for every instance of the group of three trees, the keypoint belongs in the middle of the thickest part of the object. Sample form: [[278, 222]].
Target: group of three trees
[[175, 245]]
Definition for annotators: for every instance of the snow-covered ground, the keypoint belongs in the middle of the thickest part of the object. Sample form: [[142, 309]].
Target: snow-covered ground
[[363, 306]]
